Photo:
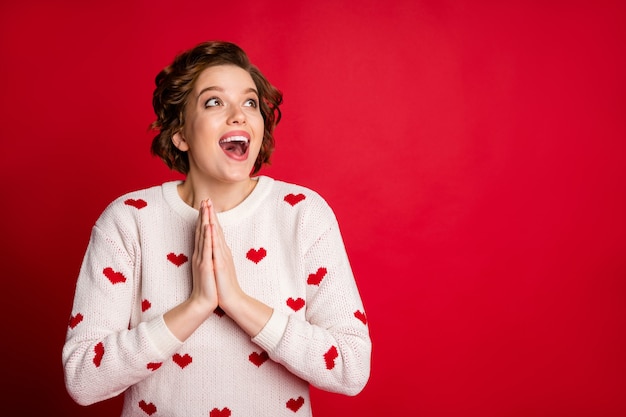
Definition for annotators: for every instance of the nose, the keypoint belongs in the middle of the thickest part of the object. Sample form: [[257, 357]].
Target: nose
[[236, 116]]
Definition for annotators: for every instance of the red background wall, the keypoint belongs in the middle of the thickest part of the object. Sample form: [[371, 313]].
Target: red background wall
[[473, 151]]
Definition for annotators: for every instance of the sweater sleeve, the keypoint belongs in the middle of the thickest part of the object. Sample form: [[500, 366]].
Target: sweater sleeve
[[331, 347], [102, 356]]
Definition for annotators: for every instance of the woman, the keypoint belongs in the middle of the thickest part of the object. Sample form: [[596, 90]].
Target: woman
[[225, 294]]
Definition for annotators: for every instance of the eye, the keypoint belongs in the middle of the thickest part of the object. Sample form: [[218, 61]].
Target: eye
[[212, 102], [251, 103]]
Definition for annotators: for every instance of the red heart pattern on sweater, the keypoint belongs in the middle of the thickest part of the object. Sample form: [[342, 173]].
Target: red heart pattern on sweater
[[147, 408], [183, 360], [296, 304], [113, 276], [294, 199], [219, 312], [153, 366], [145, 304], [295, 404], [330, 356], [361, 316], [224, 412], [255, 255], [99, 353], [177, 260], [316, 278], [138, 204], [74, 320], [258, 358]]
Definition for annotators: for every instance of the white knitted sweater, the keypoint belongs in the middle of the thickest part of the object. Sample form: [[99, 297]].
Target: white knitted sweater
[[288, 253]]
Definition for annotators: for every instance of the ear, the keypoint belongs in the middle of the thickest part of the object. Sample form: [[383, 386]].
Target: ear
[[179, 141]]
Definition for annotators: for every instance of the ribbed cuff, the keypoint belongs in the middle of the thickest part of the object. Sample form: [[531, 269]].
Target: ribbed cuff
[[269, 337], [161, 337]]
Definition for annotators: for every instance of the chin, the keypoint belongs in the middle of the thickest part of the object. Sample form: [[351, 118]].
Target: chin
[[235, 177]]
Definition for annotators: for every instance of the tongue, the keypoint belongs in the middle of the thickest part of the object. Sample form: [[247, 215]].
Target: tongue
[[235, 148]]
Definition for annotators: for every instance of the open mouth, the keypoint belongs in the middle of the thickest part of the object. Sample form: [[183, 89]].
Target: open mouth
[[235, 146]]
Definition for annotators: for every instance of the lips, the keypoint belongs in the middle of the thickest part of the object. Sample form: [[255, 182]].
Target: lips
[[235, 144]]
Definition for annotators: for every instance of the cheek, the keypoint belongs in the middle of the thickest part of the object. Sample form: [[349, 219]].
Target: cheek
[[259, 126]]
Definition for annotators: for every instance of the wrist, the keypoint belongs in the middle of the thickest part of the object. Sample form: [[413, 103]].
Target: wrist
[[233, 302], [249, 313], [199, 307]]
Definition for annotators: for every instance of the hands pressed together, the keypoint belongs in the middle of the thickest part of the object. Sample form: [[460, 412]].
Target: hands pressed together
[[214, 277], [214, 284]]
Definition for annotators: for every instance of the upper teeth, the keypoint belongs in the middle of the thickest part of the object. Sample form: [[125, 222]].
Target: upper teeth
[[235, 139]]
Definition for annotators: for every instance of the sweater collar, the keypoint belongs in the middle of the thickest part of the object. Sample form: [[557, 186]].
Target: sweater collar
[[226, 218]]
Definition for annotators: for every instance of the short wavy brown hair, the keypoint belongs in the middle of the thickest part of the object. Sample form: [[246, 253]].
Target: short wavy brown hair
[[176, 81]]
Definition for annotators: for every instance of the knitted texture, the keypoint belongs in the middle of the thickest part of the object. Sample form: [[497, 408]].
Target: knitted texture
[[288, 253]]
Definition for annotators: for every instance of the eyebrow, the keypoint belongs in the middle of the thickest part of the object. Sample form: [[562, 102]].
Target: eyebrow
[[221, 90]]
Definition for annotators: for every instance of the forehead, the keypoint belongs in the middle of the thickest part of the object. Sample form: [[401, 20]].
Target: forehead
[[226, 77]]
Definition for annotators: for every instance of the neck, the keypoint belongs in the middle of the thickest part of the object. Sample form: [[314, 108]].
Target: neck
[[224, 196]]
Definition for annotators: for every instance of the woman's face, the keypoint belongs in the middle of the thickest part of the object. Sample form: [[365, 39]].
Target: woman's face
[[223, 128]]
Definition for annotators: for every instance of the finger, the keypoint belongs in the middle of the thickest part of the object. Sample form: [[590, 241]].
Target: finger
[[215, 243], [206, 250], [216, 240], [205, 235], [199, 221], [217, 236], [205, 212], [212, 215], [207, 239], [216, 224], [198, 235]]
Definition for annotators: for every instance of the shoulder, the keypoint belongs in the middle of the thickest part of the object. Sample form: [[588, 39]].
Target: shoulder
[[296, 195], [129, 206], [303, 202]]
